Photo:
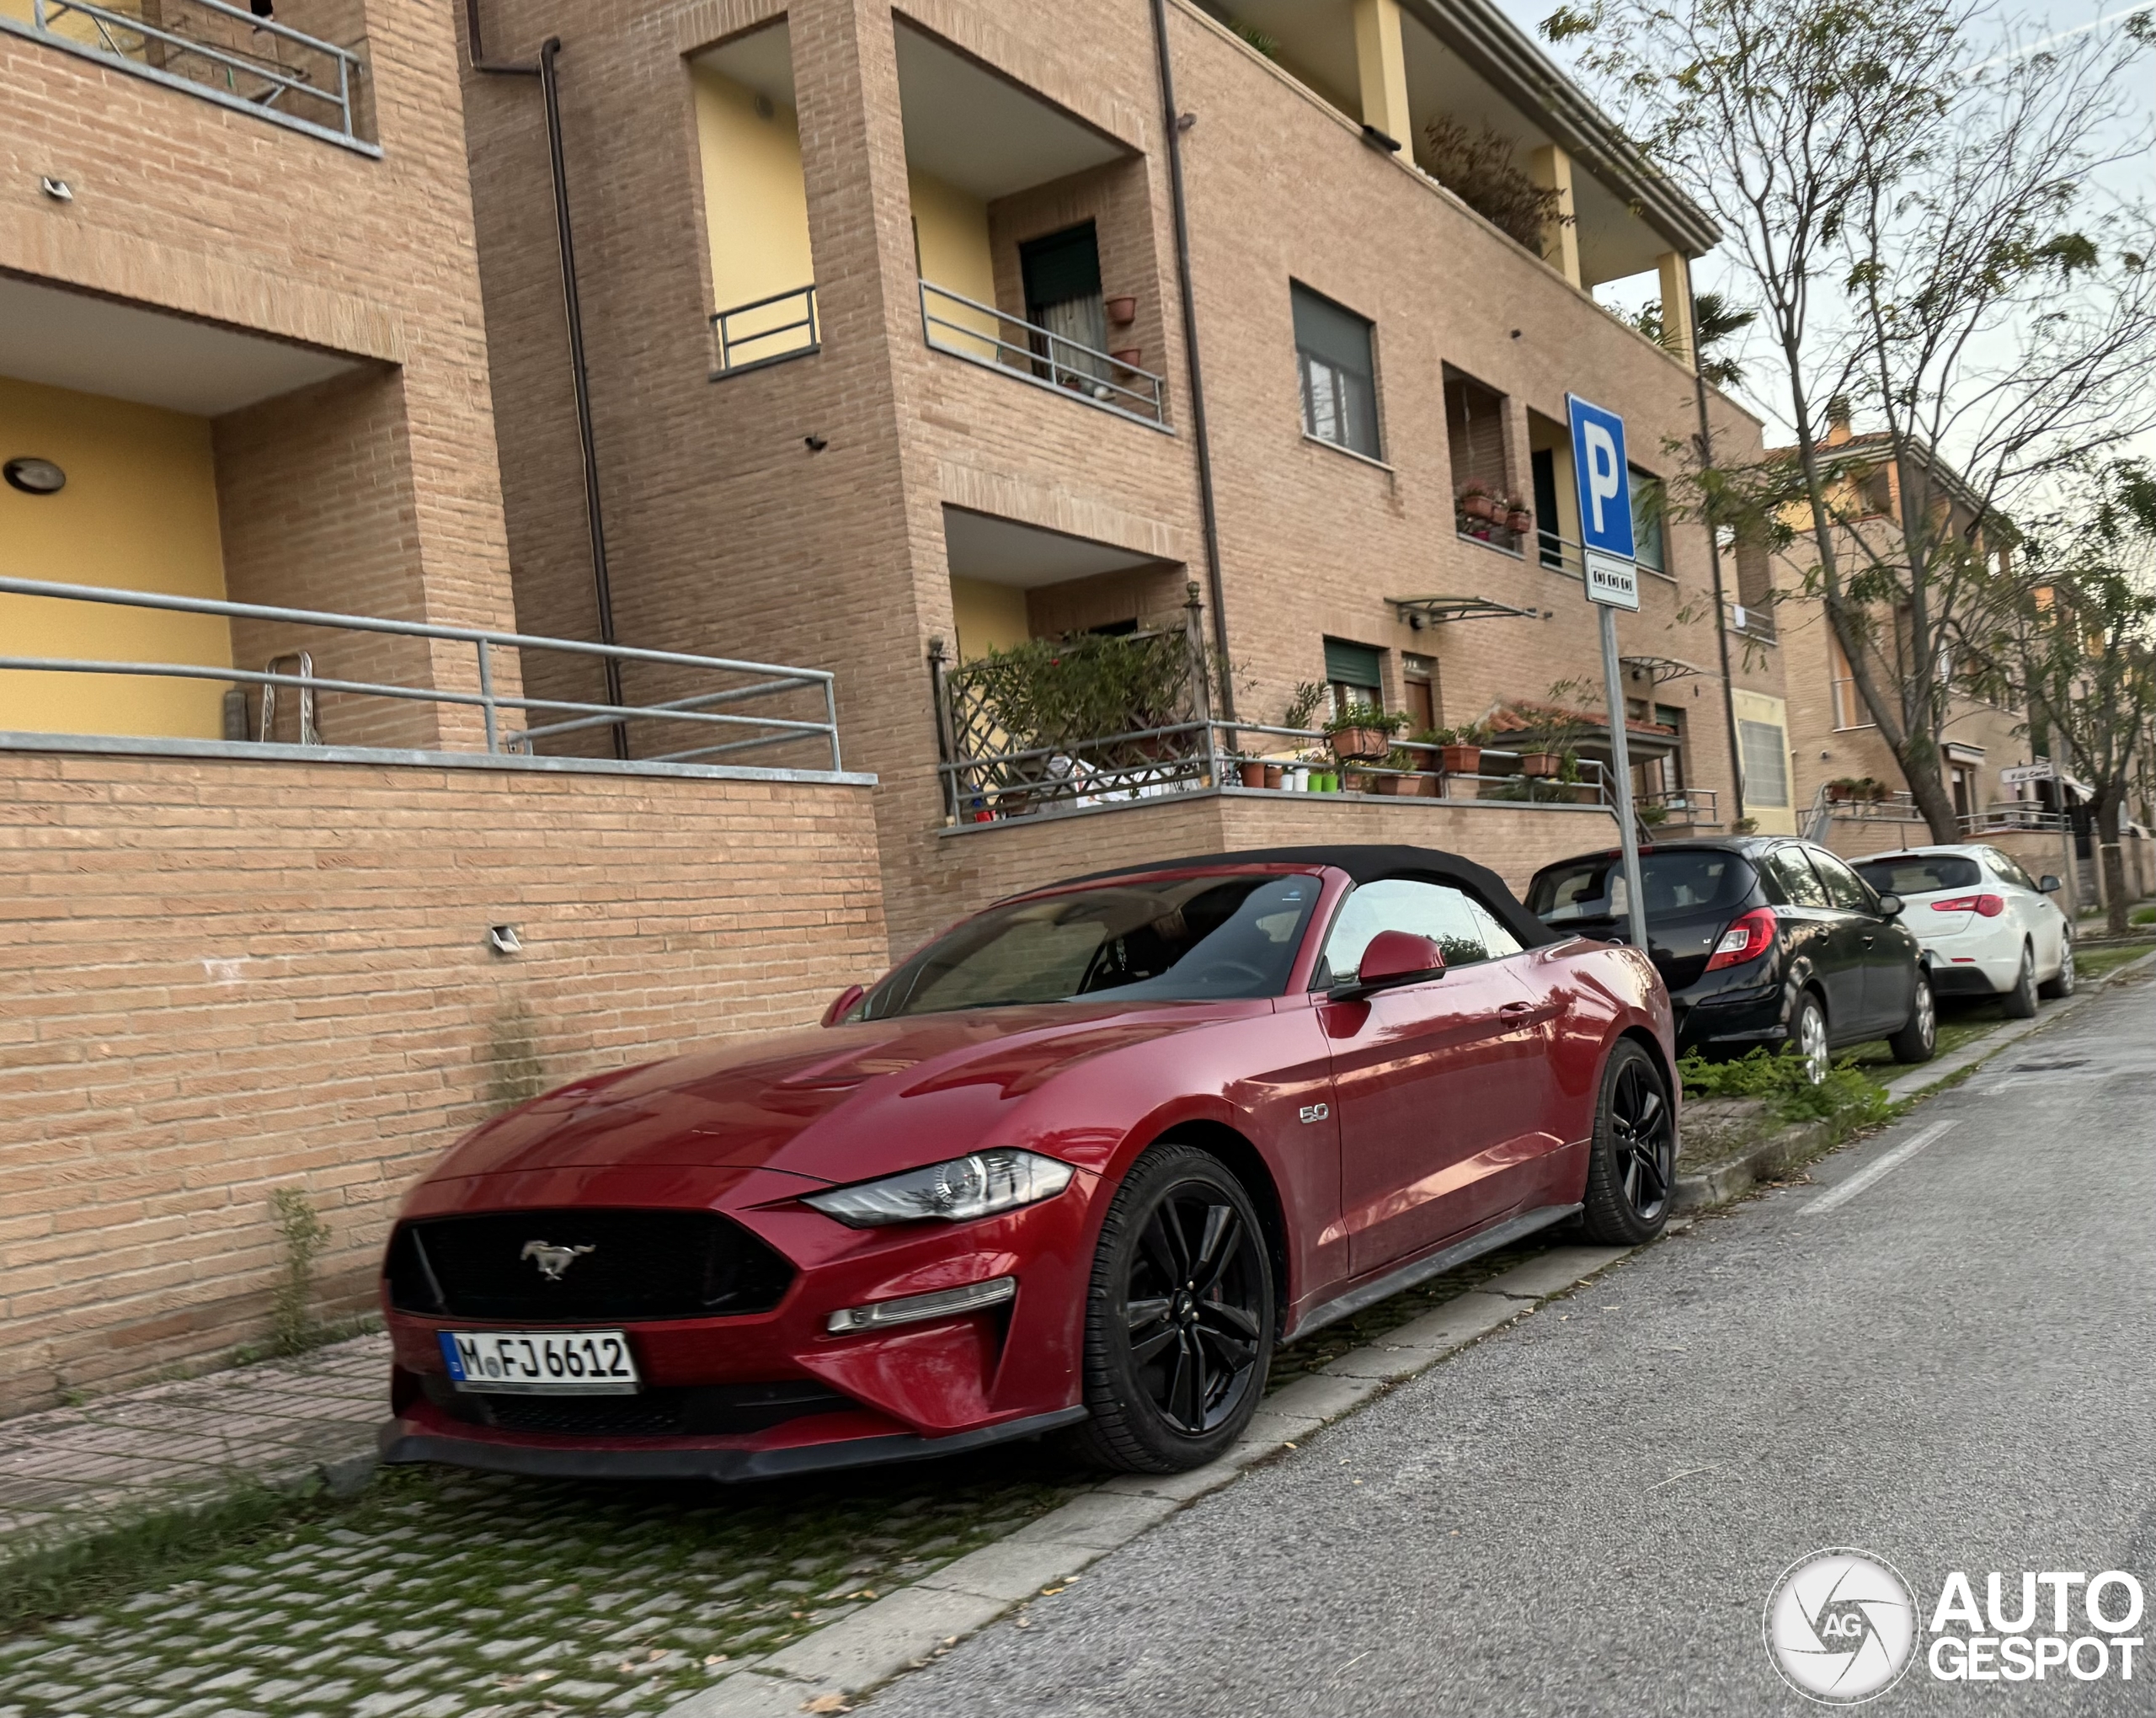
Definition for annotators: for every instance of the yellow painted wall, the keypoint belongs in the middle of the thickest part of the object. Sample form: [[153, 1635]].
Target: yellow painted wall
[[951, 230], [755, 208], [139, 512], [83, 29], [987, 616], [1757, 706]]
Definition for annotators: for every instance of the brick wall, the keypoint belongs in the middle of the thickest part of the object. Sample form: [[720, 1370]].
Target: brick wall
[[989, 860], [221, 977]]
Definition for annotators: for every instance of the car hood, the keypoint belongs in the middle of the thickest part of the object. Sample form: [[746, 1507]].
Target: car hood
[[837, 1105]]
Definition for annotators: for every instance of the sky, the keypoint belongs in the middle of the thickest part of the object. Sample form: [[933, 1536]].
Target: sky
[[2030, 22]]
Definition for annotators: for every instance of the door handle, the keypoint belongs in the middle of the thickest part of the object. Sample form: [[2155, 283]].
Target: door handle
[[1517, 1008]]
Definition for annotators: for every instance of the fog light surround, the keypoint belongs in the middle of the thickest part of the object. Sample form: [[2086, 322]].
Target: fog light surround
[[911, 1309]]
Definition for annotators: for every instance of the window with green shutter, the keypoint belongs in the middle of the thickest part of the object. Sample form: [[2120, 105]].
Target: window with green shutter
[[1339, 379], [1354, 674]]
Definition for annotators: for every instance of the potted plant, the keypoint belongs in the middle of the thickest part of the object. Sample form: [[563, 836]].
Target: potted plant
[[1459, 750], [1477, 501], [1276, 774], [1875, 791], [1252, 770], [1363, 733], [1652, 815], [1122, 309], [1540, 764], [1843, 789], [1519, 518]]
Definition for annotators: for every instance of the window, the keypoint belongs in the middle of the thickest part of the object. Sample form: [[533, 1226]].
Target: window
[[1755, 584], [1191, 939], [2004, 866], [1450, 917], [1792, 873], [1848, 704], [1475, 432], [1678, 882], [1339, 379], [1765, 760], [1062, 276], [1920, 873], [1650, 544], [1353, 674], [1844, 888], [1550, 541]]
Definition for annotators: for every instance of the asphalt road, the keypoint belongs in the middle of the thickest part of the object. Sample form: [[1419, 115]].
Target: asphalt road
[[1953, 1366]]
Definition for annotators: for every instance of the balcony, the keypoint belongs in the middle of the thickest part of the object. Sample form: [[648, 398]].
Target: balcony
[[218, 53], [765, 331], [965, 327]]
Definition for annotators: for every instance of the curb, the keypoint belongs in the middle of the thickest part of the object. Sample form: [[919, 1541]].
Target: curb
[[826, 1668], [1803, 1141]]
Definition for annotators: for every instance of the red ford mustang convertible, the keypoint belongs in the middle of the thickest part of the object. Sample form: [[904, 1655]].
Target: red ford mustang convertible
[[1079, 1163]]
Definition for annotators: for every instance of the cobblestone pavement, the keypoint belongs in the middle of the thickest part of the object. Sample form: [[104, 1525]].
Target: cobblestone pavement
[[437, 1594], [116, 1456]]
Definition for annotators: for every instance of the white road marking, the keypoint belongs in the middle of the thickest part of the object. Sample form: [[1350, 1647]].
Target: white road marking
[[1838, 1197]]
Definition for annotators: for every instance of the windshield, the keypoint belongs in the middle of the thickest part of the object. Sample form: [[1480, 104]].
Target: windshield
[[1190, 939], [1676, 883], [1920, 873]]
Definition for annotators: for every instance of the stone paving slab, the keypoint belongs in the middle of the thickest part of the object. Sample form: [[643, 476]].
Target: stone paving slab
[[68, 1469]]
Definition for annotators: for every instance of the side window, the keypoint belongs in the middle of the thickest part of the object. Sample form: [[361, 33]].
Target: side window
[[1844, 888], [2005, 866], [1792, 872], [1454, 920]]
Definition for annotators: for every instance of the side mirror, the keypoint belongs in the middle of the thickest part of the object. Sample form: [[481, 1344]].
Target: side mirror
[[1394, 958], [2049, 884], [1890, 906], [845, 999]]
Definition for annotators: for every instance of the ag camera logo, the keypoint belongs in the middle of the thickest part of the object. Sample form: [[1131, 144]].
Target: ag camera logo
[[1841, 1626]]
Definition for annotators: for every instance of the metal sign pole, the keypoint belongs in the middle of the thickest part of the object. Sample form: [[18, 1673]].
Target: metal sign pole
[[1628, 829]]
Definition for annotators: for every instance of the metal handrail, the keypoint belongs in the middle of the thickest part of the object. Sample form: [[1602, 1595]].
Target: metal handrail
[[124, 41], [1056, 360], [773, 730], [730, 342], [1704, 805]]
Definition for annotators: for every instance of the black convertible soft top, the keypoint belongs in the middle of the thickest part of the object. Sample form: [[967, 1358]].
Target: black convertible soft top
[[1370, 863]]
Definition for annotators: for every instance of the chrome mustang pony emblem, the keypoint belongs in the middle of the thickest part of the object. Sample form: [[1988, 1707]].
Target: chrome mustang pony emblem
[[552, 1260]]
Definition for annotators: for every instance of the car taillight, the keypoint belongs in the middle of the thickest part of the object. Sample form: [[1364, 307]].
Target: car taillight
[[1989, 906], [1747, 939]]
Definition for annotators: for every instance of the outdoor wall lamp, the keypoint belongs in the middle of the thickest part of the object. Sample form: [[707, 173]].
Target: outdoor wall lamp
[[34, 476]]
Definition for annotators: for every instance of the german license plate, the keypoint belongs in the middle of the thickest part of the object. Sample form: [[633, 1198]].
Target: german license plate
[[540, 1363]]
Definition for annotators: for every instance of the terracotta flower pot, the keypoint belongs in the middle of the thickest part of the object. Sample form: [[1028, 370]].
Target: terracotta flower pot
[[1393, 785], [1837, 794], [1462, 759], [1127, 356], [1122, 309], [1275, 775], [1252, 773], [1349, 744], [1519, 520], [1539, 763], [1479, 507]]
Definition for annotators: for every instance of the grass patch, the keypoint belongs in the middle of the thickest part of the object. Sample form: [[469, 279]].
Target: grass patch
[[2095, 962], [172, 1544], [1847, 1099]]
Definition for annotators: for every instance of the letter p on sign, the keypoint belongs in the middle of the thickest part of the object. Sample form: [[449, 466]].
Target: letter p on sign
[[1605, 490]]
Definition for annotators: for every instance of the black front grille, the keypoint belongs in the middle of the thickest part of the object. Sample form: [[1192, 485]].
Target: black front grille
[[706, 1411], [616, 1267]]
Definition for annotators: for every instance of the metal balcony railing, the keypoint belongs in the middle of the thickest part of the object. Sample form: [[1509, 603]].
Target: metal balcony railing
[[697, 732], [217, 52], [2004, 817], [749, 338], [965, 327], [1681, 808]]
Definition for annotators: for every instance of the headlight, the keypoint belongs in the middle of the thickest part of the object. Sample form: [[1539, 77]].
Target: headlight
[[965, 1187]]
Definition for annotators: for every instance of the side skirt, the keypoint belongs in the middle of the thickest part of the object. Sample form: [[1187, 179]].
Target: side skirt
[[1407, 1276]]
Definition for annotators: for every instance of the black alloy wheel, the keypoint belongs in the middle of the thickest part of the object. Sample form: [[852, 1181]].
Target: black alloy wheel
[[1179, 1317], [1632, 1163]]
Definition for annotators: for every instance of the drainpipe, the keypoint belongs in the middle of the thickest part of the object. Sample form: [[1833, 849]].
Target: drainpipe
[[1713, 561], [602, 589], [1208, 508]]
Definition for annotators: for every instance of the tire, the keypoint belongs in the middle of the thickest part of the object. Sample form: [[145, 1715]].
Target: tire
[[2060, 986], [1631, 1165], [2020, 1003], [1807, 1036], [1174, 1370], [1917, 1041]]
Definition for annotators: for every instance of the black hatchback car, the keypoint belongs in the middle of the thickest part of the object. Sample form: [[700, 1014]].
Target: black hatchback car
[[1762, 940]]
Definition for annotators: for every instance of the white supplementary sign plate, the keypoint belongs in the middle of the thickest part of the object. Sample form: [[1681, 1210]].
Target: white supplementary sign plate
[[540, 1363], [1612, 581], [2024, 772]]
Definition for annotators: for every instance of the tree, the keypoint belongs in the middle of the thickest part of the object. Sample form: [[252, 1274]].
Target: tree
[[1913, 210], [2072, 638], [1715, 322]]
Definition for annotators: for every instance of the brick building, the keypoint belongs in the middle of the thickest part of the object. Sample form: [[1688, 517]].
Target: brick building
[[259, 934], [889, 366]]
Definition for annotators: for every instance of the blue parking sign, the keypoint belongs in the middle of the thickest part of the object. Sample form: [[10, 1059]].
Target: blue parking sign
[[1605, 483]]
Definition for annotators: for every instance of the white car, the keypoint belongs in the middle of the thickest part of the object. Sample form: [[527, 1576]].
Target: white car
[[1987, 928]]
